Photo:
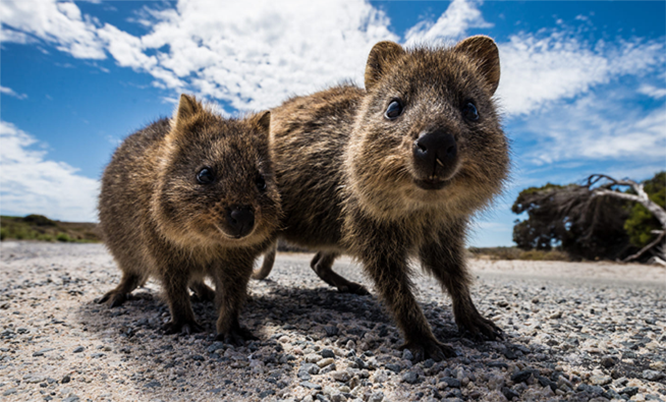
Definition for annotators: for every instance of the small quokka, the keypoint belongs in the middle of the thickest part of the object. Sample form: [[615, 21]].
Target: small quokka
[[188, 198], [395, 171]]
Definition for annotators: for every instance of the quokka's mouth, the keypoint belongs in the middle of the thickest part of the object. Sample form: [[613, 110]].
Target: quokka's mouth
[[432, 183], [233, 237]]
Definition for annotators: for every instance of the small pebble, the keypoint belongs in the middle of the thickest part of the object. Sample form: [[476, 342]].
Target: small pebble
[[341, 376], [410, 377]]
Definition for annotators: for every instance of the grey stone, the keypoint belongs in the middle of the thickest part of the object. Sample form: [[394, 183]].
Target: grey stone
[[629, 391], [652, 375], [451, 382], [407, 354], [309, 368], [331, 330], [410, 377], [42, 351], [308, 384], [609, 361], [509, 393], [33, 378], [341, 376], [600, 380], [325, 353], [215, 346], [393, 367], [521, 376], [10, 391]]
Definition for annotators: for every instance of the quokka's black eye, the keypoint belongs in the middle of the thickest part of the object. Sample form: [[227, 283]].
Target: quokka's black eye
[[469, 112], [261, 183], [393, 110], [206, 176]]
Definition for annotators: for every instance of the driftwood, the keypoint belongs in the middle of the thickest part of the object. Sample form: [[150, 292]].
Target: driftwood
[[602, 185]]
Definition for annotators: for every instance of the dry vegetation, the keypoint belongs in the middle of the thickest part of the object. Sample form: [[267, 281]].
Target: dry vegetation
[[514, 253], [38, 227]]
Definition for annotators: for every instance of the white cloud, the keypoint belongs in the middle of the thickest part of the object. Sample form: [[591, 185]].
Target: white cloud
[[12, 36], [652, 91], [256, 55], [60, 24], [597, 127], [30, 183], [11, 92], [451, 25], [538, 70]]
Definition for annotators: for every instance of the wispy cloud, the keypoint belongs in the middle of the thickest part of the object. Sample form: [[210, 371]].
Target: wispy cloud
[[60, 24], [31, 183], [596, 127], [11, 92], [538, 69], [652, 91], [452, 25], [286, 48]]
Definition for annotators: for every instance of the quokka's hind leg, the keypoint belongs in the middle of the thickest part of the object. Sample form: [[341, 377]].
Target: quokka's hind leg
[[118, 296], [202, 291], [322, 264], [267, 265]]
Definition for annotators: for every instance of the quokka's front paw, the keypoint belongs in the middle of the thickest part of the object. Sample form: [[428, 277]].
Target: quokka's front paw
[[479, 328], [428, 349], [114, 298], [184, 327], [354, 288], [236, 336]]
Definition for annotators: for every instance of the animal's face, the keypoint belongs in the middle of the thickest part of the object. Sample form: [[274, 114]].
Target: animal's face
[[428, 132], [217, 184]]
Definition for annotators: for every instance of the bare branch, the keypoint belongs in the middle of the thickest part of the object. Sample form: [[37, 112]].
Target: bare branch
[[595, 178], [640, 197], [617, 194], [646, 248]]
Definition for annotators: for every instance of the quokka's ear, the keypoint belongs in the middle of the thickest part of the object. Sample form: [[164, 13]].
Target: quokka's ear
[[483, 51], [382, 55], [262, 120], [188, 106]]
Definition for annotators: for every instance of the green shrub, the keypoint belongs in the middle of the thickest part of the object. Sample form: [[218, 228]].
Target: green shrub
[[63, 237], [45, 237]]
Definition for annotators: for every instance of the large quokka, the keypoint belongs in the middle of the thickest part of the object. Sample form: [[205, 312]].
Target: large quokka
[[188, 198], [395, 171]]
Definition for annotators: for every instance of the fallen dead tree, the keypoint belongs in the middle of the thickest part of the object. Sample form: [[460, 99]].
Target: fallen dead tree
[[601, 185]]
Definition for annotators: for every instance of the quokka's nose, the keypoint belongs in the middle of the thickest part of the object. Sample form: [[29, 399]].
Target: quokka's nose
[[435, 153], [240, 220]]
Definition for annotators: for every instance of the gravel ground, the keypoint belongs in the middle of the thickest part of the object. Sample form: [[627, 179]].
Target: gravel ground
[[575, 332]]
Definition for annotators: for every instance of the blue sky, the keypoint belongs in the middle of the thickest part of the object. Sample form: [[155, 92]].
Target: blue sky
[[583, 86]]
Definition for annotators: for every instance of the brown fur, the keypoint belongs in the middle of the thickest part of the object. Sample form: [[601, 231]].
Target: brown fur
[[350, 184], [159, 221]]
